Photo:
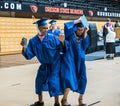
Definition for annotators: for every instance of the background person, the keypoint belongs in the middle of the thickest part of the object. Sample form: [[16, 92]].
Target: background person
[[105, 31], [53, 31], [110, 43], [116, 24]]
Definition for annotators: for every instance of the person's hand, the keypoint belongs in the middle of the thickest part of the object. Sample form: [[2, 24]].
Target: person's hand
[[77, 20], [61, 37], [23, 42], [86, 29]]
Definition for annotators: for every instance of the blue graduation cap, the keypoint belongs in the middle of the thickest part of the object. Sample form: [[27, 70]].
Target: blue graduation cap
[[52, 22], [80, 25], [41, 22]]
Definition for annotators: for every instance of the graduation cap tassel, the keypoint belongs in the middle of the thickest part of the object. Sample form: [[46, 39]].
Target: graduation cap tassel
[[38, 29]]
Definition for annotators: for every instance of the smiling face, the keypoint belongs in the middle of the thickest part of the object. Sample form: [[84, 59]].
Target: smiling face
[[43, 29]]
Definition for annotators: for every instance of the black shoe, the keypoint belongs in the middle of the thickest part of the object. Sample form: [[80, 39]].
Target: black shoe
[[56, 104], [38, 104]]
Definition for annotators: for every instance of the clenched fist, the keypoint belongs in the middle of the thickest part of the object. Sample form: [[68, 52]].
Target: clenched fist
[[24, 42]]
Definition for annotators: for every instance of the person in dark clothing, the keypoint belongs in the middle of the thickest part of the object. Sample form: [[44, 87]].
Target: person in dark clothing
[[116, 24], [105, 31]]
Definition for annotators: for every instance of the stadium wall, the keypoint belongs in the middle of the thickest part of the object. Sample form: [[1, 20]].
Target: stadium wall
[[13, 29]]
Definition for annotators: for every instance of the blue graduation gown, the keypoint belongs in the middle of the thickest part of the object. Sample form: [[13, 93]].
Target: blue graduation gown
[[68, 75], [47, 78], [55, 33], [78, 52], [65, 61], [53, 50]]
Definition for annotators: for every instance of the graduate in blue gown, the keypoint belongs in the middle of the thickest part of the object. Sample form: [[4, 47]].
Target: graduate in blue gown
[[76, 35], [53, 31], [46, 50], [68, 74]]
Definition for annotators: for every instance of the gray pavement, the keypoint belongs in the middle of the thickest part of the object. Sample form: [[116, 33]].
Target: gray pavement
[[14, 60], [17, 83]]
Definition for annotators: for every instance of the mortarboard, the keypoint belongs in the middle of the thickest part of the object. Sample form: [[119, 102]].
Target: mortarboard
[[41, 22], [84, 21], [80, 25], [52, 22]]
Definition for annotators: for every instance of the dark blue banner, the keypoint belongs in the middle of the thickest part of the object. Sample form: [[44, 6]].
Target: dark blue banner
[[35, 8]]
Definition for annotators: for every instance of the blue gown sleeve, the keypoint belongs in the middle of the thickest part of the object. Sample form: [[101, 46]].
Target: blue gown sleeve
[[69, 29], [29, 54], [65, 48], [52, 43]]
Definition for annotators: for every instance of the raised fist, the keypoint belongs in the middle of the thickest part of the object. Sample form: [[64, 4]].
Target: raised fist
[[24, 42]]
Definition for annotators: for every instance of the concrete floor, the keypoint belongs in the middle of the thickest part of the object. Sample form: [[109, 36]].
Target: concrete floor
[[17, 83]]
